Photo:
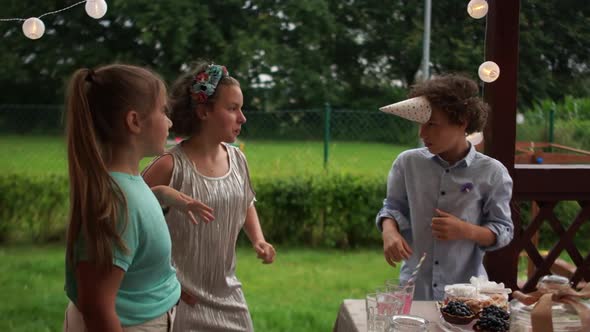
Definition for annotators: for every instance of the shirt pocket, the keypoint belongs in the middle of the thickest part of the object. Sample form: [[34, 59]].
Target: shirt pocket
[[468, 207]]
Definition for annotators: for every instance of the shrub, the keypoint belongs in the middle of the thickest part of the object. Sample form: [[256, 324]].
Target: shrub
[[335, 210], [33, 208], [571, 122], [328, 211]]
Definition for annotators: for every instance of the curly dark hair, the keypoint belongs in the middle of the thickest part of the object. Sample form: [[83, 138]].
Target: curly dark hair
[[185, 121], [457, 96]]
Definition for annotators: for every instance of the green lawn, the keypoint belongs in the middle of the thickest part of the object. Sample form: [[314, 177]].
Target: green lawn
[[301, 291], [40, 155]]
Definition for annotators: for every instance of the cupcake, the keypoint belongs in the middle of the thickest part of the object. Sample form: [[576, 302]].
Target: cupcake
[[456, 312], [493, 319]]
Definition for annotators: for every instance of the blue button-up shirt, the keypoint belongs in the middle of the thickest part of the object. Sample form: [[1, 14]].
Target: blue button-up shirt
[[476, 189]]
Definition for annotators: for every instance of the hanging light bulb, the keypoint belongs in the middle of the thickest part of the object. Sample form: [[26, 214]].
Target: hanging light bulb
[[33, 28], [477, 8], [96, 8], [475, 138], [489, 71]]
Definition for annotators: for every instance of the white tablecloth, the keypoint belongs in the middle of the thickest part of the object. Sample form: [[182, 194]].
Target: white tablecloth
[[352, 316]]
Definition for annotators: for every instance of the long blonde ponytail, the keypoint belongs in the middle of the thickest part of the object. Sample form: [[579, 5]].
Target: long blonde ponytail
[[96, 202]]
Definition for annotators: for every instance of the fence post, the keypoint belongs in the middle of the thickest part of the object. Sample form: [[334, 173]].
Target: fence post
[[327, 111], [551, 127], [551, 123]]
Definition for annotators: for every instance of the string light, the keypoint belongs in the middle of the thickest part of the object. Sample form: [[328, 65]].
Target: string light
[[477, 8], [475, 138], [34, 28], [96, 8], [489, 71]]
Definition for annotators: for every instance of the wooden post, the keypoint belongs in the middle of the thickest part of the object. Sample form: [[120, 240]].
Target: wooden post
[[500, 133]]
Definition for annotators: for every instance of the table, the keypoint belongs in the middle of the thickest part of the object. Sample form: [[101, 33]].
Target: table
[[352, 316]]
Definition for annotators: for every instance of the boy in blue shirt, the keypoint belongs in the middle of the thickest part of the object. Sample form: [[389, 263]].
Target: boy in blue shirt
[[446, 199]]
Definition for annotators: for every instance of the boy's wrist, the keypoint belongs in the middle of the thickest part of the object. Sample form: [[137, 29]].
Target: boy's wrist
[[479, 234], [468, 231], [388, 225]]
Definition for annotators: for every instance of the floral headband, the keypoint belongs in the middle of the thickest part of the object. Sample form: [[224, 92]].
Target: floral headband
[[205, 83]]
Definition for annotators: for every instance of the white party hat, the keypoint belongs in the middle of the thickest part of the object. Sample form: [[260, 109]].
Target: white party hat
[[415, 109]]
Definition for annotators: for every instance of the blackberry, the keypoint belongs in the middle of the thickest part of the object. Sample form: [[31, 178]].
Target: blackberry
[[457, 313], [457, 308], [491, 324], [496, 312]]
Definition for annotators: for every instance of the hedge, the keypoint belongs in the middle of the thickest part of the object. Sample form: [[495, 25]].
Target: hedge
[[326, 211], [331, 210], [33, 209]]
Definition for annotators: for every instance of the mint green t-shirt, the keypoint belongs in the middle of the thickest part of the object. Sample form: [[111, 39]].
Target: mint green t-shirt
[[149, 287]]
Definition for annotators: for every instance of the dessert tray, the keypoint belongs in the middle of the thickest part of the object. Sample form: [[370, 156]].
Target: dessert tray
[[481, 304]]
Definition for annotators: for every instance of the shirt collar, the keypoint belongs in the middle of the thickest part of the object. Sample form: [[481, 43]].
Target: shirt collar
[[465, 162]]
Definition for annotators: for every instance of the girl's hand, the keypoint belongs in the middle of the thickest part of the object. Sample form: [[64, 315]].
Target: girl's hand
[[265, 251], [175, 199]]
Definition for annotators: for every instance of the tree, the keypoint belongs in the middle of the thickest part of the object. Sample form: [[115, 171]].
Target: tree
[[292, 54]]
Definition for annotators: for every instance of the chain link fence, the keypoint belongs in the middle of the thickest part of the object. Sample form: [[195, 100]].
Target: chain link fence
[[312, 124], [323, 124], [31, 120], [33, 135]]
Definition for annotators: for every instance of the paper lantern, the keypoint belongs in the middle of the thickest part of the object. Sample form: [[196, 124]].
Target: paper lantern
[[489, 71], [96, 8], [33, 28], [477, 8]]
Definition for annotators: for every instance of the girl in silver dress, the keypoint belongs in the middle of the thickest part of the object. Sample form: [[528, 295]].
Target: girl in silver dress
[[206, 108]]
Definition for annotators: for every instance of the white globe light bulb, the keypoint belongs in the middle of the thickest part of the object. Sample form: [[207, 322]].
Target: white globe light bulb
[[475, 138], [489, 71], [477, 8], [96, 8], [33, 28]]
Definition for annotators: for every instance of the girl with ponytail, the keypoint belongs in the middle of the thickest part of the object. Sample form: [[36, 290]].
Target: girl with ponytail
[[119, 275]]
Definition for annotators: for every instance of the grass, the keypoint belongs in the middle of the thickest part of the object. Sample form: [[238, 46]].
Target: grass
[[35, 155], [301, 291]]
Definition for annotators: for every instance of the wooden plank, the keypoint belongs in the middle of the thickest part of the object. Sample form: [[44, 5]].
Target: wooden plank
[[543, 183], [533, 145], [561, 158], [570, 149]]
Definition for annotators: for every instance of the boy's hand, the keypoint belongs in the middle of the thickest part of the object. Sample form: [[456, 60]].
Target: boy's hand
[[175, 199], [265, 251], [395, 247], [446, 226]]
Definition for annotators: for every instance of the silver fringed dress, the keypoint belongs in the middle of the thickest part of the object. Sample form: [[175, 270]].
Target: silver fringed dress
[[205, 254]]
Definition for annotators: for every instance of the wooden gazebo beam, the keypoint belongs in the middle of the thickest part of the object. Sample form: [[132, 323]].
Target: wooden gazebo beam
[[501, 46]]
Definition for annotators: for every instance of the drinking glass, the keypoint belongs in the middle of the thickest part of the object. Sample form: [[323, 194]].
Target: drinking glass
[[405, 293]]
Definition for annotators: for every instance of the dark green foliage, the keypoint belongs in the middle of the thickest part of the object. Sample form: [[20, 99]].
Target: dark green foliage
[[33, 209], [325, 211], [354, 54], [328, 211], [331, 211], [571, 122]]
